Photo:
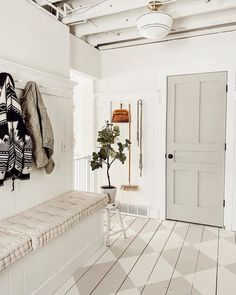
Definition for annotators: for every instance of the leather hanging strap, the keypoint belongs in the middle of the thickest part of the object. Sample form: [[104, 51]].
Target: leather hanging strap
[[138, 122], [140, 133]]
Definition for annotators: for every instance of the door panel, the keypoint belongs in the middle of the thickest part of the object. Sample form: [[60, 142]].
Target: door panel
[[208, 118], [196, 114], [185, 98]]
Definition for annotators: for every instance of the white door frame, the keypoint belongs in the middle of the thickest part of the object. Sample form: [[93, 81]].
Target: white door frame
[[230, 155]]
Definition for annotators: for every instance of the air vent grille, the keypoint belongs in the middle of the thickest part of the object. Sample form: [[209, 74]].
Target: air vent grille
[[134, 209]]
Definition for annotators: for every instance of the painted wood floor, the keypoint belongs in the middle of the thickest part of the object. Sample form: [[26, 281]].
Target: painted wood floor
[[167, 257]]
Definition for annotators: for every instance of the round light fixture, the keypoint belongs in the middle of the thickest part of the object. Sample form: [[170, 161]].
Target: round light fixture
[[155, 24]]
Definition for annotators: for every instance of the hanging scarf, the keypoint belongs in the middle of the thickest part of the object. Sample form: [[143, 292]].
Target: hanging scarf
[[15, 142]]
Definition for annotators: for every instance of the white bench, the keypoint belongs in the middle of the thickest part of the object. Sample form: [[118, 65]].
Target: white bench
[[42, 247], [13, 248]]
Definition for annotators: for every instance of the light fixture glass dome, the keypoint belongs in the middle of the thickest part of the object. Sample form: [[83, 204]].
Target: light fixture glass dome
[[154, 25]]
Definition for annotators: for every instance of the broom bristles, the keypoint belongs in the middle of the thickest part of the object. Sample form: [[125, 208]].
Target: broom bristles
[[129, 187]]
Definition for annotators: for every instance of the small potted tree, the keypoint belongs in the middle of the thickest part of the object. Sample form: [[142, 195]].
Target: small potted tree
[[110, 150]]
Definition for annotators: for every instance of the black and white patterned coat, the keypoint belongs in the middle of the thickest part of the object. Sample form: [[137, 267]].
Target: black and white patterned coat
[[15, 142]]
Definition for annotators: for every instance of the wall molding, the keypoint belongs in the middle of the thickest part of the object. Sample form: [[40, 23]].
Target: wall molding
[[49, 83]]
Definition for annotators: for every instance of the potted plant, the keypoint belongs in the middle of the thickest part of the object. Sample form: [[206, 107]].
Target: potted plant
[[110, 150]]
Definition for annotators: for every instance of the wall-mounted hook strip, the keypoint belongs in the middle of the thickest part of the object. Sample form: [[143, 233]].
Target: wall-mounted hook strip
[[55, 90], [40, 85]]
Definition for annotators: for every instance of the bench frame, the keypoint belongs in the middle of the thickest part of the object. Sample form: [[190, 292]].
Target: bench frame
[[45, 269]]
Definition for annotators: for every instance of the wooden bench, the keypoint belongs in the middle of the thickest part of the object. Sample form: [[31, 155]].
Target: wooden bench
[[63, 232]]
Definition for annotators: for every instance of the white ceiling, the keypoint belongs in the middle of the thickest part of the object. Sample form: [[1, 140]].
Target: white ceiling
[[112, 23]]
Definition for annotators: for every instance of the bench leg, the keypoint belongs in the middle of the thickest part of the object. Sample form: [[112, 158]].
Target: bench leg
[[121, 223], [108, 228]]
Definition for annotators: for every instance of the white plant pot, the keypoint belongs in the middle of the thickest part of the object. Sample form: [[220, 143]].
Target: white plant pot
[[110, 191]]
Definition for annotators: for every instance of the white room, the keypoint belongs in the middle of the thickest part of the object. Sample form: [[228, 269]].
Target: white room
[[117, 147]]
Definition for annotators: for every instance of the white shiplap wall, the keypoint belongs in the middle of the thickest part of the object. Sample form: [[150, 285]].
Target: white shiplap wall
[[57, 94]]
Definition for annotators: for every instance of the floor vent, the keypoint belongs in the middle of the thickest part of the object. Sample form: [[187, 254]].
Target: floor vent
[[134, 209]]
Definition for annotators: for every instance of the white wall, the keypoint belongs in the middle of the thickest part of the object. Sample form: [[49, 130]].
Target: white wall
[[140, 72], [84, 58], [30, 37], [35, 41], [84, 116]]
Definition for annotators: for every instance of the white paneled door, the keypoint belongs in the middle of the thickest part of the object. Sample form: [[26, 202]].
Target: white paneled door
[[196, 116]]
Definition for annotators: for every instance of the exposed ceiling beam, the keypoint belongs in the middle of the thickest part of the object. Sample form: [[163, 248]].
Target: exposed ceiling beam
[[176, 36], [43, 2], [179, 8], [197, 22], [182, 8], [105, 8], [128, 18], [108, 23], [113, 36]]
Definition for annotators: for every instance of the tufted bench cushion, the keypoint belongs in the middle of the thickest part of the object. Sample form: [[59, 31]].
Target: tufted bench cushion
[[12, 248], [50, 219]]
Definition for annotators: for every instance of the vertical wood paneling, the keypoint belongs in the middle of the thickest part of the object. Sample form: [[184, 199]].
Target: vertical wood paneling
[[24, 276], [30, 277], [41, 266], [5, 283], [51, 259], [17, 280], [42, 187]]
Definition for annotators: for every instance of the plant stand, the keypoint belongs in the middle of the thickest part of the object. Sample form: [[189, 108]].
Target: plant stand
[[110, 207]]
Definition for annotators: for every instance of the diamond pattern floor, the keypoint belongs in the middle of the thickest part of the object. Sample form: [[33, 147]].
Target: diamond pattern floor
[[160, 257]]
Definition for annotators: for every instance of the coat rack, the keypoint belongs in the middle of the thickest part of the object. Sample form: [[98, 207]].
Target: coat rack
[[44, 88], [50, 84]]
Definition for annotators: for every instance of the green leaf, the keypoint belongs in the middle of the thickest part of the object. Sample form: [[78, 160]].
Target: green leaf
[[110, 148], [103, 153]]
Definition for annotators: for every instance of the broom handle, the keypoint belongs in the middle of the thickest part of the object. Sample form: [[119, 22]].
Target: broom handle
[[130, 144], [111, 111]]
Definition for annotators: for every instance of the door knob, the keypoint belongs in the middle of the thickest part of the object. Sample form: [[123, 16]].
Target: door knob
[[170, 156]]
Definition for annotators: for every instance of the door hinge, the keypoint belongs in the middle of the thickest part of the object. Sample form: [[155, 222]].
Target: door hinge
[[223, 203], [225, 146], [227, 87]]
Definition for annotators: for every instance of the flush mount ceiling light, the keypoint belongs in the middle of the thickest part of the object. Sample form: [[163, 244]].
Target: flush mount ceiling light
[[155, 24]]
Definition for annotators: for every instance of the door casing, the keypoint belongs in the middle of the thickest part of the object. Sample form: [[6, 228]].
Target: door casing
[[166, 130]]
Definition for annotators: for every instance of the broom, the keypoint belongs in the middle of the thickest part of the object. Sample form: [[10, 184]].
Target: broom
[[129, 187]]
